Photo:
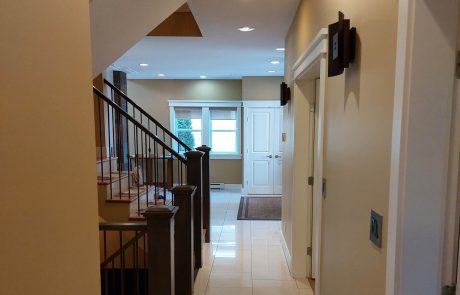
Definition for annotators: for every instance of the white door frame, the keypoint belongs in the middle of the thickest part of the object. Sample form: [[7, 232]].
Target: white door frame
[[310, 63], [424, 83]]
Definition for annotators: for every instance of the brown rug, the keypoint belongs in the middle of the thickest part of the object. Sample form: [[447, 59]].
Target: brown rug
[[260, 208]]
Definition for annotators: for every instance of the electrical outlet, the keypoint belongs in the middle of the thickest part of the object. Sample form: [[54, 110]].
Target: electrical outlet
[[376, 228]]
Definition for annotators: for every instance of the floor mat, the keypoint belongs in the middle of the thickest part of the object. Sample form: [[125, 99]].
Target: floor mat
[[260, 208]]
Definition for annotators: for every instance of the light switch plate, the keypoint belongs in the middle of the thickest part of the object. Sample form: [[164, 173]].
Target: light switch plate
[[376, 228]]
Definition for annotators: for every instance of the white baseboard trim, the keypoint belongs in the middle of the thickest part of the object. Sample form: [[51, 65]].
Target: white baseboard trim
[[233, 186], [286, 252]]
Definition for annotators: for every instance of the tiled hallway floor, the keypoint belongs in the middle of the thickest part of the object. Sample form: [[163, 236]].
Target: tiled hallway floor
[[244, 257]]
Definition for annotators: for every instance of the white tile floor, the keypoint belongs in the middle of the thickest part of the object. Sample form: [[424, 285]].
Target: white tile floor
[[244, 257]]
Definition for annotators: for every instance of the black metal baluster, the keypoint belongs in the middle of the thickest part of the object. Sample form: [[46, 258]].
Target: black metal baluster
[[136, 141], [129, 161], [115, 150], [110, 150], [164, 175], [147, 174], [144, 162], [106, 276], [100, 136], [155, 162], [136, 261], [122, 263]]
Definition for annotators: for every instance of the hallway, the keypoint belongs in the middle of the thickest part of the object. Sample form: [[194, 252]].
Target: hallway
[[244, 257]]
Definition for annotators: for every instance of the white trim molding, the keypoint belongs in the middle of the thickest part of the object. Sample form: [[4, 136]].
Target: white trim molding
[[261, 104], [311, 65], [204, 105], [424, 83], [315, 50]]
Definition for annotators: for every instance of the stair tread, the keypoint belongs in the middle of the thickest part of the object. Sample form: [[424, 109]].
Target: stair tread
[[114, 176]]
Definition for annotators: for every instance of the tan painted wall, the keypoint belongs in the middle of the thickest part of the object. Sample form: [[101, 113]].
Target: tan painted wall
[[359, 107], [261, 88], [153, 96], [48, 202]]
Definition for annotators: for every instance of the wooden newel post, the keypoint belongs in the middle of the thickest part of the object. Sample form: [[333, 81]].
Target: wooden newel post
[[160, 230], [184, 255], [206, 191], [194, 177]]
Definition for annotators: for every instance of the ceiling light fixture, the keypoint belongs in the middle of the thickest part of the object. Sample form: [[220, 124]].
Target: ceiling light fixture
[[280, 49], [271, 71], [203, 77], [143, 65], [275, 62], [161, 75], [246, 29]]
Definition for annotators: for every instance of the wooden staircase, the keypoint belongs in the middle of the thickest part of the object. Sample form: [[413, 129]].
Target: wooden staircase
[[163, 191]]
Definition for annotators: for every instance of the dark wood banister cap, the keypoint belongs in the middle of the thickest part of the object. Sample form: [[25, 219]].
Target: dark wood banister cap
[[204, 148], [194, 154], [184, 190], [160, 211]]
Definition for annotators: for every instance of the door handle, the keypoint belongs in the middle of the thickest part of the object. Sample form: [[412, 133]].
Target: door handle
[[270, 156], [276, 157]]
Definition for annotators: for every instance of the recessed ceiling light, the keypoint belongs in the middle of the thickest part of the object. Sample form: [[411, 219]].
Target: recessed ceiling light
[[143, 65], [161, 75], [203, 77], [280, 49], [246, 29], [275, 62], [271, 71]]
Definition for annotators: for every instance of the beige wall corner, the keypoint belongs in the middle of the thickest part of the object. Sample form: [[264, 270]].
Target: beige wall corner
[[48, 203], [261, 88]]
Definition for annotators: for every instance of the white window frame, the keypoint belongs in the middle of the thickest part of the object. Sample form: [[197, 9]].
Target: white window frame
[[205, 105]]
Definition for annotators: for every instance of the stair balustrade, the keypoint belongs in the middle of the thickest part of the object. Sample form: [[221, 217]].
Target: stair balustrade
[[167, 192]]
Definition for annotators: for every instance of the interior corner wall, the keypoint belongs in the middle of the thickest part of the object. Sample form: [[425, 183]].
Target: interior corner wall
[[48, 203], [154, 96], [358, 126], [261, 88]]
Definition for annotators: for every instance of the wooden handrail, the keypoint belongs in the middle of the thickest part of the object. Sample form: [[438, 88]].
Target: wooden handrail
[[164, 129], [138, 125]]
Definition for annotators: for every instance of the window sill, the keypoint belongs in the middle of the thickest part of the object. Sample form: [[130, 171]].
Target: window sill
[[226, 156]]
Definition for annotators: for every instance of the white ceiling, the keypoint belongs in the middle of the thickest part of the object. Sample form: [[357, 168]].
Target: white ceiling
[[223, 52]]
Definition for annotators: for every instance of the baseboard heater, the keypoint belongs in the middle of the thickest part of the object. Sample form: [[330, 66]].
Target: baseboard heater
[[217, 185]]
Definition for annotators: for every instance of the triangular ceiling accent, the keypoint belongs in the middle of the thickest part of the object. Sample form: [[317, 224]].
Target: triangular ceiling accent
[[181, 23]]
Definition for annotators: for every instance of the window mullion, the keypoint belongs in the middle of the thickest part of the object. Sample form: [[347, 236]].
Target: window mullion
[[206, 122]]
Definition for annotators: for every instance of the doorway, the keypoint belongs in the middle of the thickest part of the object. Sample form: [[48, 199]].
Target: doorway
[[313, 133], [263, 159]]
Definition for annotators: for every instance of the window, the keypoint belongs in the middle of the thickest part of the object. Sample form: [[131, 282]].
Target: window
[[215, 124], [188, 126], [224, 130]]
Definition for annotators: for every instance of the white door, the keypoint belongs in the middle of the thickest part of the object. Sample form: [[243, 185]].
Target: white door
[[264, 154], [260, 125]]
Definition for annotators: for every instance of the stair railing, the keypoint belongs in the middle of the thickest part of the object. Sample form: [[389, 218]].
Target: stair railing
[[145, 118], [141, 169], [124, 258]]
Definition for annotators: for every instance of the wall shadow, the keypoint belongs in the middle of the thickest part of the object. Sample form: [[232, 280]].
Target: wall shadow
[[353, 77]]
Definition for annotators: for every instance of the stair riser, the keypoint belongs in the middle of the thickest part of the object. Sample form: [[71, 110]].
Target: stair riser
[[106, 166], [113, 190]]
